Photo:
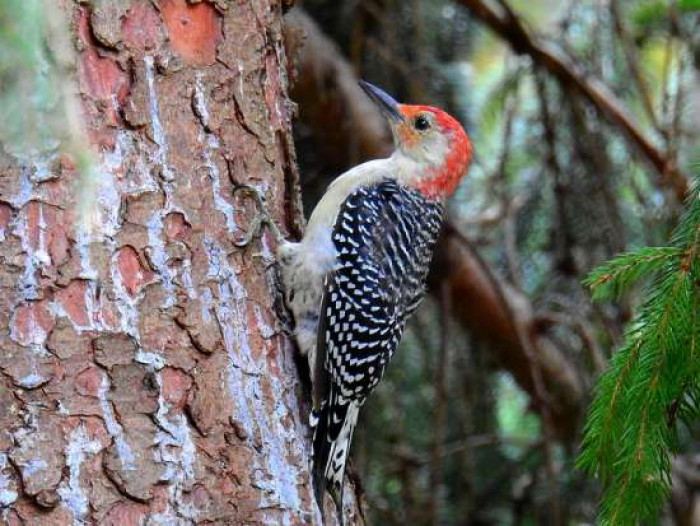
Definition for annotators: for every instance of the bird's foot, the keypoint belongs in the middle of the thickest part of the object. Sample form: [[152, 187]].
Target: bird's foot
[[261, 218], [282, 312]]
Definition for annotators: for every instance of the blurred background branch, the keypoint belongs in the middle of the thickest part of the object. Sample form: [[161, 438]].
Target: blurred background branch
[[572, 76]]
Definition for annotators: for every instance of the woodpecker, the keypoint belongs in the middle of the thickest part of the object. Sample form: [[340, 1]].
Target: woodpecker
[[359, 271]]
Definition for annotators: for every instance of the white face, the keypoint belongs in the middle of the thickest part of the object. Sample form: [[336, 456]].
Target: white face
[[431, 150], [421, 142]]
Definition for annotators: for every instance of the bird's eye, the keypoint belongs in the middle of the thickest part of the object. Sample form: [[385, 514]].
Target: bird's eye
[[422, 123]]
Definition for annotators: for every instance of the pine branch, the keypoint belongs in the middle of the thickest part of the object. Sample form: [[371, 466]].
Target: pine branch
[[612, 279], [640, 478], [653, 381]]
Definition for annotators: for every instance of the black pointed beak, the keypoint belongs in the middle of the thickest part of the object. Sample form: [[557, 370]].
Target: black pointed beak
[[387, 105]]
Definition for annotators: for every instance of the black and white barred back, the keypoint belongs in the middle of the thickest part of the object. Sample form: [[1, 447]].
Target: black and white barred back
[[384, 236]]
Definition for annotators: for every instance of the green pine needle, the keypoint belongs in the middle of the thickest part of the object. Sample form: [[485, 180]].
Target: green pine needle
[[611, 280]]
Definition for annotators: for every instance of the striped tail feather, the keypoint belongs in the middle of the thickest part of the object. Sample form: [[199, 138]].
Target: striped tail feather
[[335, 424]]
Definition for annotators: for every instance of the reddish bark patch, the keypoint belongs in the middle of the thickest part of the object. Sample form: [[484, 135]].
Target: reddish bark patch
[[159, 503], [72, 300], [47, 230], [32, 323], [34, 217], [176, 385], [201, 498], [59, 245], [125, 514], [57, 232], [5, 216], [89, 381], [13, 519], [272, 88], [96, 430], [100, 76], [67, 162], [194, 30], [141, 27], [109, 313], [134, 275], [176, 226]]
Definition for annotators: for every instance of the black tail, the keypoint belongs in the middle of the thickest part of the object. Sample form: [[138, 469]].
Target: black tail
[[334, 426]]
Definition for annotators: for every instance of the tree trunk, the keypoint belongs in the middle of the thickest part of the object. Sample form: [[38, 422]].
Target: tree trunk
[[144, 379]]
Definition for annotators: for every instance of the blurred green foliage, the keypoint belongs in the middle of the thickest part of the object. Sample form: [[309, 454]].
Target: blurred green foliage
[[29, 91], [38, 93], [651, 14], [516, 424]]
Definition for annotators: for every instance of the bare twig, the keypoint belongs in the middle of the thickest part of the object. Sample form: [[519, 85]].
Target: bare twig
[[357, 40], [591, 150], [505, 476], [673, 135], [597, 56], [389, 58], [440, 414], [666, 91], [564, 239], [632, 57], [510, 219], [585, 333], [469, 442], [540, 399]]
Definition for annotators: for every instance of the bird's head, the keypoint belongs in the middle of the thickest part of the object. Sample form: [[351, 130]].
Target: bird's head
[[429, 140]]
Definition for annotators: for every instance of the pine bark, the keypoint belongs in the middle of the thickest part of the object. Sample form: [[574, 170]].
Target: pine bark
[[143, 375]]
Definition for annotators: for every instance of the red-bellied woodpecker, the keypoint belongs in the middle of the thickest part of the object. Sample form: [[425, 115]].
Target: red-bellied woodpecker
[[359, 271]]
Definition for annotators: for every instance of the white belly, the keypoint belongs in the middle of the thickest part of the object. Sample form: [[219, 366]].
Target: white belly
[[304, 269]]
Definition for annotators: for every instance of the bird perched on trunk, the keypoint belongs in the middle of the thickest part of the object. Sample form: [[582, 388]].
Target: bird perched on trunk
[[359, 272]]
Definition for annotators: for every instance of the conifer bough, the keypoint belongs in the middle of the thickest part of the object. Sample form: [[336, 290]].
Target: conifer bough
[[653, 381]]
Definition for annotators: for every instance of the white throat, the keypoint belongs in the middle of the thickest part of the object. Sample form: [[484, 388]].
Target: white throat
[[413, 164]]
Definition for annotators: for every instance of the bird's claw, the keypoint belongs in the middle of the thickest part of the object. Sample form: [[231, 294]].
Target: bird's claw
[[262, 217], [279, 303]]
